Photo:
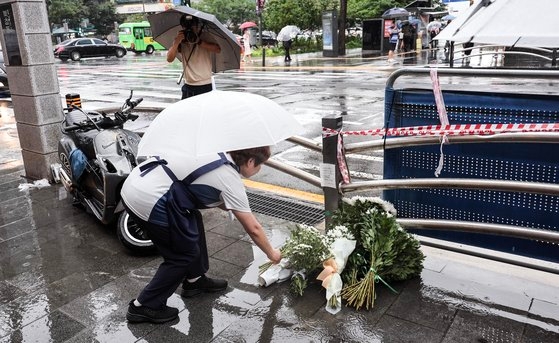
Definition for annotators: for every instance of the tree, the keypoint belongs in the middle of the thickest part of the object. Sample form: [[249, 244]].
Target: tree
[[101, 15], [305, 14], [357, 10], [69, 11], [230, 12]]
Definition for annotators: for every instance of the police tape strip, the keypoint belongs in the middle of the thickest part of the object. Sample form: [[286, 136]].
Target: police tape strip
[[455, 130]]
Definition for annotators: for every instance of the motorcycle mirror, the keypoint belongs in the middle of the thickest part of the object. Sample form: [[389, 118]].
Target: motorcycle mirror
[[130, 97]]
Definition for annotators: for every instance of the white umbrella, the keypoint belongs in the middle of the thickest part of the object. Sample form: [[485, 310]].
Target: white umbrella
[[217, 121], [288, 32], [516, 23], [166, 24], [395, 12], [434, 25]]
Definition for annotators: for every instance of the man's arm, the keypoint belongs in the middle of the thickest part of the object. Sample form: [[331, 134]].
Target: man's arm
[[172, 52], [213, 47], [256, 233]]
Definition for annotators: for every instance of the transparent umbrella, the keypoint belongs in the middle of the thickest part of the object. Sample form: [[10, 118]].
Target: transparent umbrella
[[395, 12], [448, 17], [434, 26], [288, 32]]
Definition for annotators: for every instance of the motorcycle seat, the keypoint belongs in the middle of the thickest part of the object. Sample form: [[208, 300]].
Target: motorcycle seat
[[75, 117]]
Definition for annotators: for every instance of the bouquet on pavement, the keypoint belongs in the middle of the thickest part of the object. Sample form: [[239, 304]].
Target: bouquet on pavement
[[364, 246], [303, 253], [341, 244], [384, 251]]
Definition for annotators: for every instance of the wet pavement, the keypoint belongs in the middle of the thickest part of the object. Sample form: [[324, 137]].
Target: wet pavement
[[65, 278]]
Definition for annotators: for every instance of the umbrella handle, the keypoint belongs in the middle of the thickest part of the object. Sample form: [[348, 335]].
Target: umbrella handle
[[180, 78]]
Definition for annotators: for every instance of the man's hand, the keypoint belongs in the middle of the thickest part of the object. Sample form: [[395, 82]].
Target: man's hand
[[179, 38]]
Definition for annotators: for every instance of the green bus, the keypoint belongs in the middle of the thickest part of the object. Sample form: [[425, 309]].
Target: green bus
[[137, 37]]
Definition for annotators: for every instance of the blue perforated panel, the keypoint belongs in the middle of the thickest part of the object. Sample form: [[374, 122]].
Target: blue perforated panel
[[500, 161]]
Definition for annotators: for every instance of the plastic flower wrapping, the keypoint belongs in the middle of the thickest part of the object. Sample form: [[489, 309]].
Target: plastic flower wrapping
[[341, 244], [303, 252]]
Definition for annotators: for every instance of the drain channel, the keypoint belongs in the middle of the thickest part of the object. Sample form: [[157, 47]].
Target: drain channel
[[275, 206]]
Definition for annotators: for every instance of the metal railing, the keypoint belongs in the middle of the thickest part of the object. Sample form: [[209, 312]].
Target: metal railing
[[334, 198], [333, 195], [549, 55]]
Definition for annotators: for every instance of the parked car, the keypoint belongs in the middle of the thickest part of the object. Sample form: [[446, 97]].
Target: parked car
[[267, 40], [78, 48], [355, 31]]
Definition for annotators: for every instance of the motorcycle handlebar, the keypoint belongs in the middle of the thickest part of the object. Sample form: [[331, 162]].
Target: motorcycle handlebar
[[120, 116], [135, 103]]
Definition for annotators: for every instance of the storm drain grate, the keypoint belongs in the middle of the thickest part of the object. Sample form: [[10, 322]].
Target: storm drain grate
[[293, 211]]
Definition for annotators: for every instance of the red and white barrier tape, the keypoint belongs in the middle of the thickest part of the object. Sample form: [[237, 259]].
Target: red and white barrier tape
[[455, 130], [441, 110]]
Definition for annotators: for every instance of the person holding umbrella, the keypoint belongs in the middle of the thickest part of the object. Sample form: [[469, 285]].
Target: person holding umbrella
[[394, 40], [286, 35], [195, 47], [196, 160], [247, 49], [214, 181]]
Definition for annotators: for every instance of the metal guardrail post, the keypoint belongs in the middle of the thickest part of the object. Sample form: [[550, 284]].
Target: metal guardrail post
[[330, 170]]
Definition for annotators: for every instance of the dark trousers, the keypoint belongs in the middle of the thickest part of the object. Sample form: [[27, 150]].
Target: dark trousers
[[287, 47], [176, 267], [189, 90]]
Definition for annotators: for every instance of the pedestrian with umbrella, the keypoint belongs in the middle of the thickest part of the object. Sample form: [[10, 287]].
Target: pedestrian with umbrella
[[202, 43], [286, 35], [394, 40], [195, 48], [196, 160], [434, 28], [247, 49]]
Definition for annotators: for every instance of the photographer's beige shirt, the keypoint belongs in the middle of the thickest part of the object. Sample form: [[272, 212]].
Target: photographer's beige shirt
[[197, 68]]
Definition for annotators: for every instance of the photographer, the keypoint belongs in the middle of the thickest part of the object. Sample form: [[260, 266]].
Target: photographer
[[195, 46]]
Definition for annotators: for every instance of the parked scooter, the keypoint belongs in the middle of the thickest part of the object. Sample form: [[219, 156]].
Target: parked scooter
[[96, 155]]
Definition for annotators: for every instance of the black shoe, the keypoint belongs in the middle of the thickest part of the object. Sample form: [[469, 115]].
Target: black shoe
[[203, 285], [139, 314]]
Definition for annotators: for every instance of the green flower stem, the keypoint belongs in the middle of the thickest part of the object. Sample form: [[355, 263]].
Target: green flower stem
[[378, 278]]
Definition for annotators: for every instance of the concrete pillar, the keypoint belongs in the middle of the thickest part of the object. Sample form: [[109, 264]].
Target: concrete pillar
[[28, 54]]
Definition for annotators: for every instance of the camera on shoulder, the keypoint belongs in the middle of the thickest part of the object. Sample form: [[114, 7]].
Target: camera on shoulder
[[189, 24]]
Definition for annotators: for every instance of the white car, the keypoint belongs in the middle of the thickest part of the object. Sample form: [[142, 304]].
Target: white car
[[355, 31]]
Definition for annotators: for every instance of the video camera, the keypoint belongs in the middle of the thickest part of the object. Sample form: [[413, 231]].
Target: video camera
[[189, 23]]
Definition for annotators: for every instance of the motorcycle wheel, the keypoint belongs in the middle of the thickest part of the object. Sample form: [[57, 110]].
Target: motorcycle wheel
[[132, 236]]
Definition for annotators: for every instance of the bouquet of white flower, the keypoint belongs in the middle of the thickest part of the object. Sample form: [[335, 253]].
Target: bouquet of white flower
[[303, 252], [341, 244]]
